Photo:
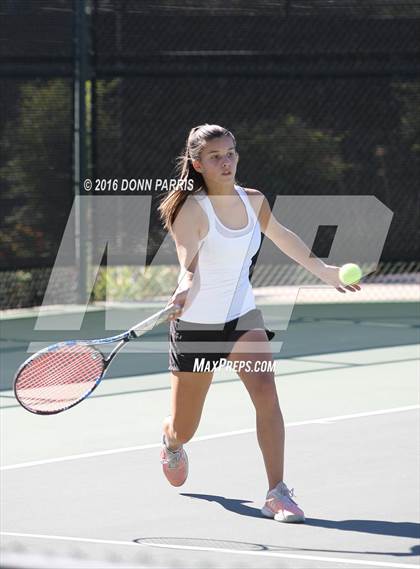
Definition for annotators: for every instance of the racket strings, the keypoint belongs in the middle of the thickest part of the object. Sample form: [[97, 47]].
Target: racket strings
[[57, 379]]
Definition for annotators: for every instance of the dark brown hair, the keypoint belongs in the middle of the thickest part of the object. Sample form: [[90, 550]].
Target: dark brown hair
[[185, 171]]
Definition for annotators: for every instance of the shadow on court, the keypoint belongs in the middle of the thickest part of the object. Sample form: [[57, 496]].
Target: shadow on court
[[215, 544], [237, 505], [380, 527]]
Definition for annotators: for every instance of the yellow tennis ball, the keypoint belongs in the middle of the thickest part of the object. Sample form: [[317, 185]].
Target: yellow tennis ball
[[350, 273]]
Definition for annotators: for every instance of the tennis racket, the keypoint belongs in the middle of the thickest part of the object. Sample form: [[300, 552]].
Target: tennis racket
[[62, 375]]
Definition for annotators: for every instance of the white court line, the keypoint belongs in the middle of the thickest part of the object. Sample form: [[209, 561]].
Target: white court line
[[386, 324], [320, 421], [219, 550]]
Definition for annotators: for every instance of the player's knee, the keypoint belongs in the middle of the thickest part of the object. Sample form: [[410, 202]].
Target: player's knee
[[264, 390]]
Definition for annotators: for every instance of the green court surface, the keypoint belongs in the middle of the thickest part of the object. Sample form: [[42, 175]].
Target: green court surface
[[313, 329], [87, 484]]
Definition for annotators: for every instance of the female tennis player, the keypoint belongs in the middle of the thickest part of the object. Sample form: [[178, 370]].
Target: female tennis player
[[217, 230]]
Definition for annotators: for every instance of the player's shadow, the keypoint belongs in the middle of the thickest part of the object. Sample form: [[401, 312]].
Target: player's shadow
[[215, 544], [231, 504], [379, 527]]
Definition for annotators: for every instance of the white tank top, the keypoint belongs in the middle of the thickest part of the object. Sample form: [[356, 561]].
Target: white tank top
[[221, 290]]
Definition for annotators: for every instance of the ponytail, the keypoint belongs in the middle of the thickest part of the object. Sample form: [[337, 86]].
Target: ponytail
[[185, 171]]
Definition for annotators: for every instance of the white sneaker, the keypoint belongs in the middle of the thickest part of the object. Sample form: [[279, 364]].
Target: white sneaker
[[280, 506]]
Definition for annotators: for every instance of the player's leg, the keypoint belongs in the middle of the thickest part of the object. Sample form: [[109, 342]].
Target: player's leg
[[262, 390], [188, 394], [270, 426]]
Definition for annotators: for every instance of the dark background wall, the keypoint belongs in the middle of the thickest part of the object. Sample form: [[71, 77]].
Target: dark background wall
[[323, 97]]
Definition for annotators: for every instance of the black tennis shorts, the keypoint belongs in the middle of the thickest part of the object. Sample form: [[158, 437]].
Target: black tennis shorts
[[191, 340]]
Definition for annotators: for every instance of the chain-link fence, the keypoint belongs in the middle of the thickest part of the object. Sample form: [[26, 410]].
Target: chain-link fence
[[323, 98], [36, 141]]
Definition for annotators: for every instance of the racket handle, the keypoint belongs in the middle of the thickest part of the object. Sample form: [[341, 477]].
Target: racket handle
[[141, 328]]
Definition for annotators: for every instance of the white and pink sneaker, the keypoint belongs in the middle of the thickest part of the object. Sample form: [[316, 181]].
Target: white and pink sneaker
[[280, 506], [174, 464]]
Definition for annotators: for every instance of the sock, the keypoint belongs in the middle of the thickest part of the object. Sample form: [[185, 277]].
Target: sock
[[165, 442]]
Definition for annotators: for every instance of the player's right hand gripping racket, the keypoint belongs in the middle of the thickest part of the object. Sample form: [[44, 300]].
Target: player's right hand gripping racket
[[64, 374]]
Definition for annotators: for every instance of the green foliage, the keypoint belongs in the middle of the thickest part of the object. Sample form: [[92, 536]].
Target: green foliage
[[291, 150], [134, 283], [408, 95], [36, 165]]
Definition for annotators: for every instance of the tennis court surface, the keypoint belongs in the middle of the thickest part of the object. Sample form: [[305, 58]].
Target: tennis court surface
[[85, 488]]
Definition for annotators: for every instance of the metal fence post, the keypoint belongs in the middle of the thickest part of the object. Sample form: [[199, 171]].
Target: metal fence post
[[82, 74]]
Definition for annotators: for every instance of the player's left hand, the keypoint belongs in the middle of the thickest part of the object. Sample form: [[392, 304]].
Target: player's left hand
[[329, 275]]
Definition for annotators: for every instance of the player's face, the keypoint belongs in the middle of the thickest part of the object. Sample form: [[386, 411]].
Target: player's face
[[218, 160]]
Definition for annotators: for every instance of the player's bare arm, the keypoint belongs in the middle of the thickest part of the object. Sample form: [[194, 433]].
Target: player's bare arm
[[189, 227], [292, 245]]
